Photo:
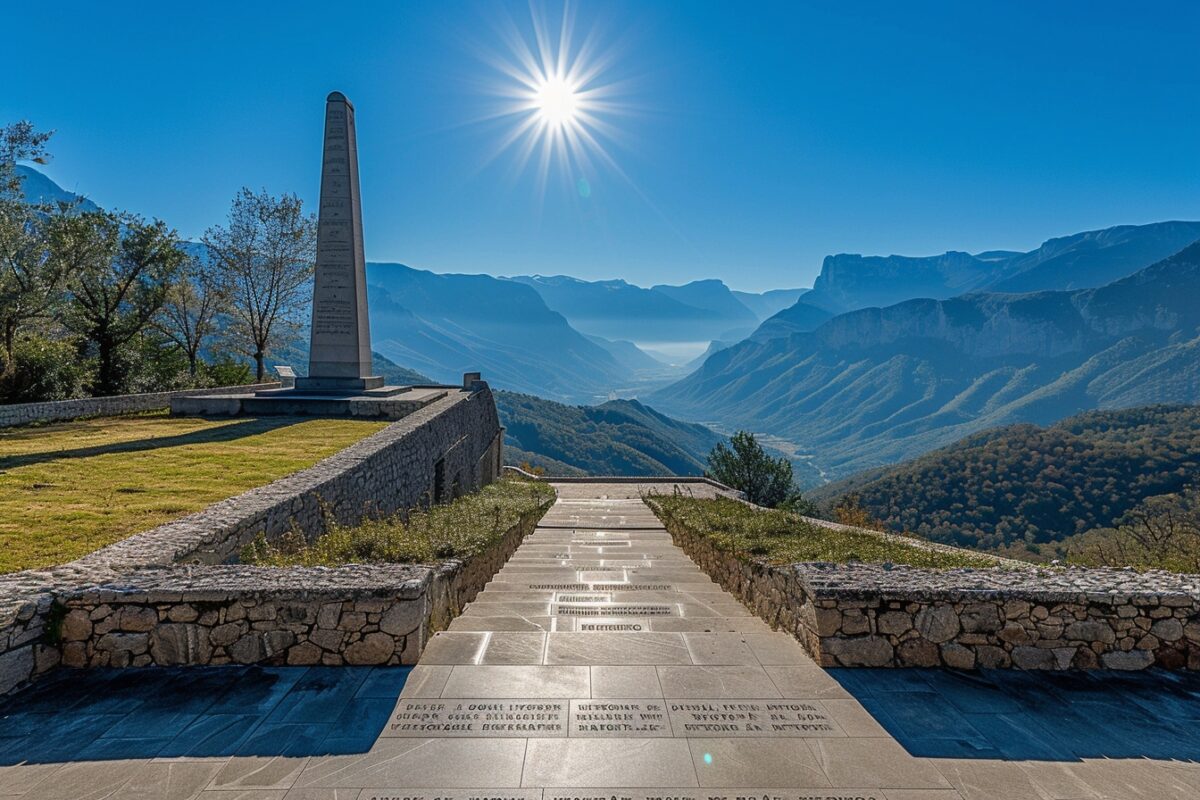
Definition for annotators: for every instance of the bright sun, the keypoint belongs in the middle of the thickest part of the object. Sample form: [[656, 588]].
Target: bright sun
[[555, 90], [556, 101]]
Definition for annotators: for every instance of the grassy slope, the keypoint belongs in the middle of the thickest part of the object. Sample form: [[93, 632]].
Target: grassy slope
[[460, 529], [783, 538], [70, 488]]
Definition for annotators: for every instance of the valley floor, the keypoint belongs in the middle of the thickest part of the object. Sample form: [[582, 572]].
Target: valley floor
[[601, 662]]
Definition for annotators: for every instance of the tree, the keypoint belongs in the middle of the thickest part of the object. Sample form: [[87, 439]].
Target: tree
[[190, 308], [745, 466], [29, 279], [19, 141], [120, 269], [850, 511], [265, 256], [1162, 532]]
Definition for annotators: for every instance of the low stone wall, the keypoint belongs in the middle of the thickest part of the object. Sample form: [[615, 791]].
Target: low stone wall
[[390, 471], [61, 410], [229, 614], [867, 615], [447, 448]]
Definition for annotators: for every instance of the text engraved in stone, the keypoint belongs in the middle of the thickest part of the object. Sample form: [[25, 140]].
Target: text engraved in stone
[[619, 718], [479, 718], [751, 718]]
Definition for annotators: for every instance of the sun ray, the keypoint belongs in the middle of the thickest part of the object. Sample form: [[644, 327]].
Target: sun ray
[[552, 92]]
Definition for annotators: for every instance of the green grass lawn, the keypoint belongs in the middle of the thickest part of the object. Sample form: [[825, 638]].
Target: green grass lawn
[[70, 488], [459, 529], [784, 538]]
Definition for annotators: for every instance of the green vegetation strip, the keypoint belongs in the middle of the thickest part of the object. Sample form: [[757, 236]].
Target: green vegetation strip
[[783, 538], [460, 529], [71, 488]]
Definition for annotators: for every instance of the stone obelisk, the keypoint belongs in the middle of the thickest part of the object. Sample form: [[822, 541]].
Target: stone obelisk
[[340, 353]]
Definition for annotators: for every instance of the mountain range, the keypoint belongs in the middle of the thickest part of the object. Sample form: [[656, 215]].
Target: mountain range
[[620, 437], [700, 311], [879, 385], [1079, 261]]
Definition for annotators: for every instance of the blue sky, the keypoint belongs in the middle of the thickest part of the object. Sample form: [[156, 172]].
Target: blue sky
[[748, 139]]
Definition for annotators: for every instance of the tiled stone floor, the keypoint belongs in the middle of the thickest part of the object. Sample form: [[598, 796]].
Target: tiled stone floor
[[601, 663]]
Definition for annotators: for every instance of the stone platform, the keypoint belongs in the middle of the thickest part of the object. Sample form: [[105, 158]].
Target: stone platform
[[600, 662], [386, 402]]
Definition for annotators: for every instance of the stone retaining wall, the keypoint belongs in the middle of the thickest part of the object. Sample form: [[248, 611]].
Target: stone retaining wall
[[61, 410], [454, 443], [229, 614], [866, 615]]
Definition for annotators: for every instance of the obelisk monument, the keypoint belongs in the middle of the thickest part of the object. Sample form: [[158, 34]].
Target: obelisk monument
[[339, 357]]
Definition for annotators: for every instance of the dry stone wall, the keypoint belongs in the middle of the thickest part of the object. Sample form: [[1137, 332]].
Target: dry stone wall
[[61, 410], [232, 614], [869, 615]]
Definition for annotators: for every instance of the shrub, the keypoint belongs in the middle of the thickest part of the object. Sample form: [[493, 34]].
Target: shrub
[[43, 369]]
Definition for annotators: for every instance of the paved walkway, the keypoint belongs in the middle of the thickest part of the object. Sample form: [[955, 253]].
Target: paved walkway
[[602, 664]]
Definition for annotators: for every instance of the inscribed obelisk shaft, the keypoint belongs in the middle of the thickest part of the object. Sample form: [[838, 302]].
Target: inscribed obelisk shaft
[[340, 354]]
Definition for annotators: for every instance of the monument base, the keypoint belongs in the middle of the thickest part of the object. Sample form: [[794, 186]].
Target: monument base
[[341, 385], [384, 402]]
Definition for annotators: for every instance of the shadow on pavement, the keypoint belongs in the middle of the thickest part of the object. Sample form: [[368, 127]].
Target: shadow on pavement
[[92, 715], [1040, 716]]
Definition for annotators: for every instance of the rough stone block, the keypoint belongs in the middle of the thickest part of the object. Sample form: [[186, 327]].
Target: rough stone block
[[937, 623]]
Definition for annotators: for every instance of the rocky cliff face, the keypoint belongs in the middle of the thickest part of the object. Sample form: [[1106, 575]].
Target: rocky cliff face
[[1082, 260]]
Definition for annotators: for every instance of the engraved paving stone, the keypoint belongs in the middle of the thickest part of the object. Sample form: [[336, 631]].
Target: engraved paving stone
[[803, 718], [433, 718], [619, 718]]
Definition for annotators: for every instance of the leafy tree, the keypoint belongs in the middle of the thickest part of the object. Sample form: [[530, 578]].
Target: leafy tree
[[19, 141], [745, 466], [265, 256], [190, 308], [30, 280], [120, 269]]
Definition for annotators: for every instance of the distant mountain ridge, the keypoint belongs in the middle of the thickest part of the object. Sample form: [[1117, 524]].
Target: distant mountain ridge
[[1082, 260], [879, 385], [702, 310], [620, 437], [444, 325]]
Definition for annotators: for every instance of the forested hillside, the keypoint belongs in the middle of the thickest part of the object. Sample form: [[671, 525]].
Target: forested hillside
[[620, 437], [1025, 486]]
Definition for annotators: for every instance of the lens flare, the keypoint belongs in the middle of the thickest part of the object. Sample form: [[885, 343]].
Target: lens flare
[[554, 95]]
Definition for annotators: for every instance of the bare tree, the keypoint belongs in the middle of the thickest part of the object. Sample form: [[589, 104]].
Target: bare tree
[[1161, 532], [265, 256], [189, 311]]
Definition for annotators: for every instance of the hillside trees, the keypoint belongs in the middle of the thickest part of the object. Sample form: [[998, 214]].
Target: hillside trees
[[1024, 489], [264, 255]]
